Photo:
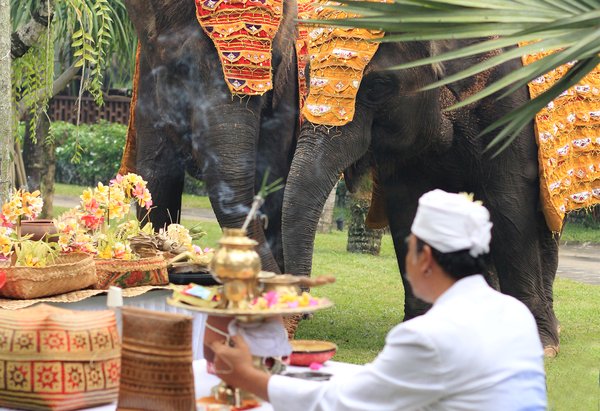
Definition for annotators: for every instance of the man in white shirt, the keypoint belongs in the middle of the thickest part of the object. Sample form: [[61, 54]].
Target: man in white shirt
[[476, 349]]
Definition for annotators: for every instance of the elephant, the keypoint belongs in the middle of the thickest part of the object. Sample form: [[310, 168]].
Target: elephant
[[186, 118], [414, 145]]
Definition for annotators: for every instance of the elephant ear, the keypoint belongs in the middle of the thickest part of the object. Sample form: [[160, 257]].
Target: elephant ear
[[356, 171], [377, 216], [466, 87]]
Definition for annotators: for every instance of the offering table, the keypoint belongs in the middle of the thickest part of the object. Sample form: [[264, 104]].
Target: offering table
[[204, 381]]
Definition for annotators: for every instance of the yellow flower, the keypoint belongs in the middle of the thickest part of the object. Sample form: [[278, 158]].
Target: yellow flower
[[5, 246], [87, 195], [106, 252]]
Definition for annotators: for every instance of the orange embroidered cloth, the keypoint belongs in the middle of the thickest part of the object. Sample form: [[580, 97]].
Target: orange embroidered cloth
[[338, 58], [242, 31], [568, 137], [305, 10]]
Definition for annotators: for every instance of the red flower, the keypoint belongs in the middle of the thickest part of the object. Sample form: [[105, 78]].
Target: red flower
[[134, 278], [92, 222]]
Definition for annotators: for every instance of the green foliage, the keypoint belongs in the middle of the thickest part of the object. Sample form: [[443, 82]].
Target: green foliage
[[99, 148], [572, 376], [31, 73], [90, 34], [586, 232], [572, 27]]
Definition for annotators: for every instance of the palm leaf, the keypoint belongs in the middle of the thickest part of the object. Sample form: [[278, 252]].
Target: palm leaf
[[573, 26]]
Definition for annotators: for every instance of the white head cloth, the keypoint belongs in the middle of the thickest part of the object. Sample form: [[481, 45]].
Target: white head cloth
[[453, 222]]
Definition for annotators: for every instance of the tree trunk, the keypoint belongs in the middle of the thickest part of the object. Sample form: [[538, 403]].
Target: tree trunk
[[47, 183], [33, 151], [6, 123], [41, 163], [362, 239], [28, 34], [326, 221]]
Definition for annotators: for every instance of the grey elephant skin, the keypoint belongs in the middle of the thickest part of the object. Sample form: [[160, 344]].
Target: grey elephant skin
[[187, 118], [415, 147]]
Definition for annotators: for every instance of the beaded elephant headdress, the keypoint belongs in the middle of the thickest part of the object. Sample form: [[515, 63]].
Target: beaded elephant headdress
[[243, 32]]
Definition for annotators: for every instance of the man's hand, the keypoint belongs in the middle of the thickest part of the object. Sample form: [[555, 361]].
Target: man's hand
[[233, 364]]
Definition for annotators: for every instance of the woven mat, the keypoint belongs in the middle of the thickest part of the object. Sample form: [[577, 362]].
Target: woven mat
[[568, 137], [75, 296]]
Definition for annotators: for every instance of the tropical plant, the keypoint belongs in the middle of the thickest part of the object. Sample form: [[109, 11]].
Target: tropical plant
[[101, 144], [82, 37], [572, 27]]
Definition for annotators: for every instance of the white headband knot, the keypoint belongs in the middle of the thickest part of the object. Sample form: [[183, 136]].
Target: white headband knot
[[453, 222]]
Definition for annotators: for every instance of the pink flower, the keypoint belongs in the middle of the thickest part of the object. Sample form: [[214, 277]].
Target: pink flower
[[139, 190], [4, 221], [271, 298], [117, 180]]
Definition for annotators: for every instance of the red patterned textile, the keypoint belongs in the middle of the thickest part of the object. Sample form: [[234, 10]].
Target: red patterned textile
[[242, 31], [56, 359]]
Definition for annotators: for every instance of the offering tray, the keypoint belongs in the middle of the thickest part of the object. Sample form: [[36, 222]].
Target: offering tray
[[249, 313]]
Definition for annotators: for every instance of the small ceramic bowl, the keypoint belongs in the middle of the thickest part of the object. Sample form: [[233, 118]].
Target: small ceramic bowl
[[306, 352]]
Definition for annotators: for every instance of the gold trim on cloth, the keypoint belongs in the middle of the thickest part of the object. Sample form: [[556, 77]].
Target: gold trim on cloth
[[243, 32], [338, 58], [568, 137]]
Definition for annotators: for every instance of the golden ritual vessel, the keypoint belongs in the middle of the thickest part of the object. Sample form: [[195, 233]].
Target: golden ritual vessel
[[236, 265]]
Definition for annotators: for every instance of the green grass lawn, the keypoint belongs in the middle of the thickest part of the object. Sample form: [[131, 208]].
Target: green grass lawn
[[368, 298], [188, 200], [580, 233]]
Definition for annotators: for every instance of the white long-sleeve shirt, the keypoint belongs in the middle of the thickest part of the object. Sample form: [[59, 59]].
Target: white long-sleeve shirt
[[476, 349]]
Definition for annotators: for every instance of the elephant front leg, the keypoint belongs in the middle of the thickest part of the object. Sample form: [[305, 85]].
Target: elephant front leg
[[401, 206], [161, 166], [525, 262]]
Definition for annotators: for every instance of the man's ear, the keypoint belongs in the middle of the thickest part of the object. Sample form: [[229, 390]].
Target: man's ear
[[425, 258]]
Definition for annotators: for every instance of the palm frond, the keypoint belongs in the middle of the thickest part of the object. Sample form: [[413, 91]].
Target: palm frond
[[570, 26]]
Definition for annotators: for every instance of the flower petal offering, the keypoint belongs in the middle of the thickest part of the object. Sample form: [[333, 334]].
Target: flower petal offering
[[273, 300]]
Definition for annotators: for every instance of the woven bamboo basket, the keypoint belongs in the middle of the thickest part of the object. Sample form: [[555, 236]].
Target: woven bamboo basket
[[131, 273], [70, 272]]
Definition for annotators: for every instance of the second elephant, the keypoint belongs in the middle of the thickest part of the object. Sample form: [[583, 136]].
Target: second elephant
[[415, 147]]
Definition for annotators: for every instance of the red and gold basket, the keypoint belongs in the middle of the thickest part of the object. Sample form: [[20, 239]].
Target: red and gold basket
[[131, 273]]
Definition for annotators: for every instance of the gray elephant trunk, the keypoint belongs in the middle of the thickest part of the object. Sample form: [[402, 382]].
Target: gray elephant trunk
[[320, 158], [229, 164]]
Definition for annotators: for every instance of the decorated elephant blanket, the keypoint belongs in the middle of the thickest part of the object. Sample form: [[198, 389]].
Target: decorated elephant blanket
[[338, 58], [242, 31], [568, 137]]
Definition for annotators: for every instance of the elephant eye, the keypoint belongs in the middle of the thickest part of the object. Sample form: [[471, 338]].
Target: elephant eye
[[181, 68], [376, 89]]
